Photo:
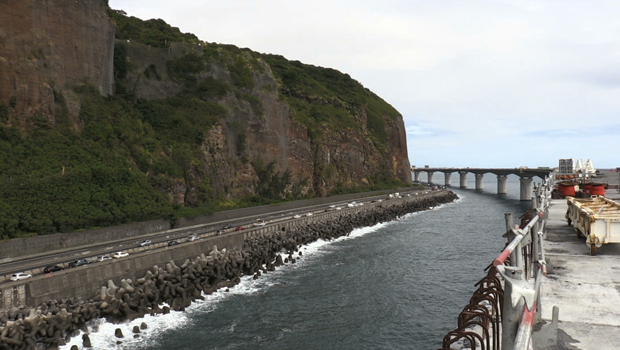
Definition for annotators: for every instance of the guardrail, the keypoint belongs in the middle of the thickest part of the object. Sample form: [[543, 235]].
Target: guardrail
[[201, 231], [173, 234], [502, 312]]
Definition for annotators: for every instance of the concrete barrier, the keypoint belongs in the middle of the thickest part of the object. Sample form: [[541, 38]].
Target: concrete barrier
[[253, 211], [40, 244], [85, 281], [61, 304]]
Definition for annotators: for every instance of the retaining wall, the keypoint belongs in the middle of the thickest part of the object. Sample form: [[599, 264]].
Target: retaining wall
[[39, 244], [19, 247], [252, 211], [86, 281]]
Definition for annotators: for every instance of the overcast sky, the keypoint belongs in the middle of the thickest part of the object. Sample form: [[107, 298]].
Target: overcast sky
[[479, 83]]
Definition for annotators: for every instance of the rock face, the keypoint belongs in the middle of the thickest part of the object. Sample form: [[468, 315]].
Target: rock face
[[273, 134], [49, 45]]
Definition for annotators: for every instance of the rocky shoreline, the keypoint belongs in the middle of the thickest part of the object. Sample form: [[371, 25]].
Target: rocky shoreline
[[53, 323]]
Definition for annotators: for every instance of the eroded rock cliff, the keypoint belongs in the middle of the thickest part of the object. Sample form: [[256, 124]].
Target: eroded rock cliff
[[261, 125], [47, 45], [86, 90]]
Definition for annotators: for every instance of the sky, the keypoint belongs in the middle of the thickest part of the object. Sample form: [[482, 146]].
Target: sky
[[479, 83]]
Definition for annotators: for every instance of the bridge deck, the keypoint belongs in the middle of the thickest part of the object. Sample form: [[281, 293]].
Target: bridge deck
[[585, 288], [523, 172]]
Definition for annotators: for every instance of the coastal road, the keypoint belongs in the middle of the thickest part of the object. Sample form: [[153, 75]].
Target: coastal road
[[584, 287], [160, 239]]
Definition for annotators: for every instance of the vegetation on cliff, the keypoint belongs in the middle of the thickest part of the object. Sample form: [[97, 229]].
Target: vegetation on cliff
[[118, 160], [154, 32], [339, 98]]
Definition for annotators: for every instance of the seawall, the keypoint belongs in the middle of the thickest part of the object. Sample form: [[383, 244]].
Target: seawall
[[40, 244], [131, 287]]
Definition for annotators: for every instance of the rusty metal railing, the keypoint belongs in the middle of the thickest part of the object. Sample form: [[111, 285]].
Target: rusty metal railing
[[479, 322], [502, 311]]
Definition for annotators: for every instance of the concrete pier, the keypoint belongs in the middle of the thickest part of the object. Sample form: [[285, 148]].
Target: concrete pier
[[526, 188], [584, 287], [463, 175], [502, 187], [479, 183], [430, 176], [526, 174]]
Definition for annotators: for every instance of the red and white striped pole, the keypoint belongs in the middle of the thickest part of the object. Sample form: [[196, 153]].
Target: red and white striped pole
[[524, 333], [501, 259]]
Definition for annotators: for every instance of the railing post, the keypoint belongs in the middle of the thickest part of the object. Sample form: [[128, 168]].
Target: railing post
[[535, 247], [516, 256], [536, 253], [521, 296], [511, 315], [509, 223]]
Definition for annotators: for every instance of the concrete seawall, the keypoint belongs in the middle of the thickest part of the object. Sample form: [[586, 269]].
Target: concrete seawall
[[85, 281], [47, 309], [41, 244]]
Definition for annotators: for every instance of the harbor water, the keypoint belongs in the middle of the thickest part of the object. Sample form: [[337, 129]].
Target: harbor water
[[397, 285]]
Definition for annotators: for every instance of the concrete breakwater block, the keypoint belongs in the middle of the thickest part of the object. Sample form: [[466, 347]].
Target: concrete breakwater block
[[176, 287], [86, 341]]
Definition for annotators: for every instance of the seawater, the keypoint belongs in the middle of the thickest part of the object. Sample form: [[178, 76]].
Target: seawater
[[396, 285]]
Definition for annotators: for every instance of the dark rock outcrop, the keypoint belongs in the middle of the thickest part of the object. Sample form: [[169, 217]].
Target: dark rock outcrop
[[48, 45]]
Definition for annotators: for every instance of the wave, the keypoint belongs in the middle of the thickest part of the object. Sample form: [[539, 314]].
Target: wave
[[102, 332]]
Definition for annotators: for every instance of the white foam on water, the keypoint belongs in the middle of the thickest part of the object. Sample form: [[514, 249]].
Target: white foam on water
[[359, 232], [157, 325], [440, 206], [104, 337]]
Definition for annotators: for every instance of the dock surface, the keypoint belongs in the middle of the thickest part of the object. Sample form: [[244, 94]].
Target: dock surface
[[585, 288]]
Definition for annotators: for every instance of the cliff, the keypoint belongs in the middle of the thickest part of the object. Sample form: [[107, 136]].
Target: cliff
[[325, 141], [48, 45], [172, 121]]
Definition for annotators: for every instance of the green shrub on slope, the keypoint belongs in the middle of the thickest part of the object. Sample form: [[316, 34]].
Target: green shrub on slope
[[326, 96]]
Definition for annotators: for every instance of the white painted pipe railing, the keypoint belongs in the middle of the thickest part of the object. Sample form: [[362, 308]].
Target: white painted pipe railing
[[527, 262]]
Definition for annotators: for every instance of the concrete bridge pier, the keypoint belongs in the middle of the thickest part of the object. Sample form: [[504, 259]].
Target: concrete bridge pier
[[416, 176], [430, 176], [526, 188], [479, 184], [448, 181], [463, 179], [502, 188]]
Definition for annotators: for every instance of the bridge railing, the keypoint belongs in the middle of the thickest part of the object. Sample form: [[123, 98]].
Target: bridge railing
[[502, 311]]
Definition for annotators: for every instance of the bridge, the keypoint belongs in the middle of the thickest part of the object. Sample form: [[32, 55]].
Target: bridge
[[526, 177]]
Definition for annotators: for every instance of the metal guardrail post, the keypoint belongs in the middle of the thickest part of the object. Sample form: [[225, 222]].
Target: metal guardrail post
[[536, 249], [521, 298], [509, 222], [526, 322], [516, 292]]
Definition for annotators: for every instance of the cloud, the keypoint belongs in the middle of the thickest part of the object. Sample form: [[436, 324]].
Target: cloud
[[605, 79], [477, 81], [416, 130], [577, 133], [557, 133]]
